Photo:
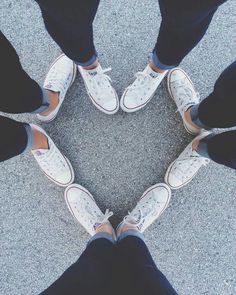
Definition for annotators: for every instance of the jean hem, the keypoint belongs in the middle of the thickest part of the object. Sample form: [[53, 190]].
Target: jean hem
[[87, 63], [194, 114], [159, 64], [45, 102], [101, 235], [29, 132], [131, 233]]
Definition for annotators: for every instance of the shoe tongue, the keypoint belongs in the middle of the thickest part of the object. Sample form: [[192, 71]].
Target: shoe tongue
[[50, 86], [152, 73], [95, 71]]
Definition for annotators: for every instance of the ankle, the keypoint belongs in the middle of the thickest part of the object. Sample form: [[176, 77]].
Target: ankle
[[188, 118], [127, 227], [156, 69], [195, 144], [94, 65], [40, 141], [53, 100], [106, 227]]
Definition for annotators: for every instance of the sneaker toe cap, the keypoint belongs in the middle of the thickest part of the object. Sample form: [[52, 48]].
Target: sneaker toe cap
[[173, 181], [110, 105]]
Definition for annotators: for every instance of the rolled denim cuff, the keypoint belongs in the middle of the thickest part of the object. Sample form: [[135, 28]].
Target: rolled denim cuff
[[29, 132], [202, 148], [194, 116], [102, 235], [45, 102], [87, 63], [158, 63], [131, 233]]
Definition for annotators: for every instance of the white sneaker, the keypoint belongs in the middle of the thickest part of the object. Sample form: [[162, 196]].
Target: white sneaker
[[100, 90], [183, 92], [151, 205], [60, 77], [84, 208], [186, 166], [53, 163], [142, 90]]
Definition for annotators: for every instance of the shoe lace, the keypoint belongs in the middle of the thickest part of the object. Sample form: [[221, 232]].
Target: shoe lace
[[184, 93], [138, 217], [103, 219], [142, 80]]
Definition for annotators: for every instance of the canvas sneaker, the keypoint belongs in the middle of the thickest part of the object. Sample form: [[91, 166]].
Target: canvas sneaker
[[53, 163], [142, 90], [184, 94], [100, 90], [60, 77], [186, 166], [84, 208], [151, 205]]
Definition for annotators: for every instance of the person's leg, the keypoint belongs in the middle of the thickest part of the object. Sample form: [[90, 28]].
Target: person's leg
[[21, 94], [15, 137], [70, 24], [18, 138], [184, 23], [218, 109], [92, 273], [139, 274]]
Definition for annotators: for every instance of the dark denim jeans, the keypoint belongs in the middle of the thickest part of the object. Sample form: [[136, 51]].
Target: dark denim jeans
[[184, 23], [106, 268], [19, 94], [218, 110]]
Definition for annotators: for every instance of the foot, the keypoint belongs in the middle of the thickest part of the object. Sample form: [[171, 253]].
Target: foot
[[141, 91], [100, 90], [183, 93], [52, 162], [84, 208], [151, 205], [186, 166], [60, 77]]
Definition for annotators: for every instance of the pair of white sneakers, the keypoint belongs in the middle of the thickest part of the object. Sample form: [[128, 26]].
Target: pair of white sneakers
[[186, 166], [60, 77], [84, 209]]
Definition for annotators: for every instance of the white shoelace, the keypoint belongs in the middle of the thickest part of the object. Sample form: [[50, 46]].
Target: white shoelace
[[104, 219], [138, 221], [184, 93], [143, 79]]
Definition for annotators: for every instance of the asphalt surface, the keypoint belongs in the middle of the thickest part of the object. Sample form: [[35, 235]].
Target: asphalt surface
[[117, 158]]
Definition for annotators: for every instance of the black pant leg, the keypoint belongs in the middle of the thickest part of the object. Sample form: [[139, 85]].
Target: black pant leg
[[70, 25], [14, 138], [138, 270], [183, 25], [91, 274], [19, 93], [218, 110], [222, 148]]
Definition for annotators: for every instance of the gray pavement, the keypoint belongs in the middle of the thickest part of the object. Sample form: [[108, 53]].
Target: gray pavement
[[117, 158]]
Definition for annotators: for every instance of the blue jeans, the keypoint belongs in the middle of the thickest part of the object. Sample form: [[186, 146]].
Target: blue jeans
[[184, 23], [218, 110], [106, 267]]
